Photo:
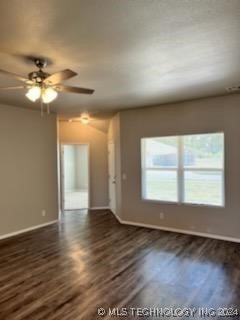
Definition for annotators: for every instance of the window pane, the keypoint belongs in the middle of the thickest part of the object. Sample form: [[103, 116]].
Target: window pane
[[161, 185], [203, 187], [161, 152], [204, 150]]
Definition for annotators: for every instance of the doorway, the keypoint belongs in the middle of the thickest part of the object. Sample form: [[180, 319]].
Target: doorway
[[75, 176], [112, 177]]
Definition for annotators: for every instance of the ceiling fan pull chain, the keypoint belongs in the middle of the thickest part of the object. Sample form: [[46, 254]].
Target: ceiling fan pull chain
[[48, 108]]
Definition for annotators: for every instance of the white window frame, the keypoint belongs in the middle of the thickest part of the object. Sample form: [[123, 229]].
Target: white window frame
[[180, 170]]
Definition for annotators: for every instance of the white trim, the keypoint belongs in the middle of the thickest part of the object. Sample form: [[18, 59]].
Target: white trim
[[119, 219], [15, 233], [60, 213], [180, 171], [112, 177], [183, 168], [190, 232], [161, 168], [99, 208], [58, 170], [115, 215]]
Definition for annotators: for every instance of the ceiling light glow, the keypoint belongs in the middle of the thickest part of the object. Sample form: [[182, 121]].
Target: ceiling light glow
[[48, 95], [34, 93], [85, 118]]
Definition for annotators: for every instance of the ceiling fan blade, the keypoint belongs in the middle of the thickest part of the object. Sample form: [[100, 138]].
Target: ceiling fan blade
[[18, 77], [63, 88], [60, 76], [11, 88]]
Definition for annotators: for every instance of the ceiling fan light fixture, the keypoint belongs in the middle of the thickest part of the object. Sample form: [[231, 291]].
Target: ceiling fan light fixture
[[45, 86], [48, 95], [34, 93]]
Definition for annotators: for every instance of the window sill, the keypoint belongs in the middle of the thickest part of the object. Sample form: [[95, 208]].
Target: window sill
[[183, 203]]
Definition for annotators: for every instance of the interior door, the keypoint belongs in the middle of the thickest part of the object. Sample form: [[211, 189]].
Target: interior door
[[112, 177]]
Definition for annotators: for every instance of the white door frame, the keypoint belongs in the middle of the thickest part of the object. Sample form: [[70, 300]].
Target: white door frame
[[112, 180], [62, 144]]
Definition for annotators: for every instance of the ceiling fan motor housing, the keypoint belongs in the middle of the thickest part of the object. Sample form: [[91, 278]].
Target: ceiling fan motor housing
[[40, 63], [38, 76]]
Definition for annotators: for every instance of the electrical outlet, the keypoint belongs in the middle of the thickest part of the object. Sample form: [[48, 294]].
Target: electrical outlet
[[235, 88], [43, 213], [161, 215]]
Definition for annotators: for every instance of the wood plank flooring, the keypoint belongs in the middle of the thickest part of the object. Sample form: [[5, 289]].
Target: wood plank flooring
[[67, 271]]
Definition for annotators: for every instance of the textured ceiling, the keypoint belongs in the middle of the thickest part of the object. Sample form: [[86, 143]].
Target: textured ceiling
[[132, 52]]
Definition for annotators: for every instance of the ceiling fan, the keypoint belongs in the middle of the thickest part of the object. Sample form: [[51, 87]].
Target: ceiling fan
[[44, 86]]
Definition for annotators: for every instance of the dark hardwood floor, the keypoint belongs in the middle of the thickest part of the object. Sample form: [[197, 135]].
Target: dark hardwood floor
[[68, 271]]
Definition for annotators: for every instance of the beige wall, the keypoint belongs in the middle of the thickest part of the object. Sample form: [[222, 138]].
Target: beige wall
[[200, 116], [28, 170], [76, 132]]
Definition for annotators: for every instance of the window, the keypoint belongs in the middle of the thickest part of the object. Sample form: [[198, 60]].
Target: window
[[184, 169]]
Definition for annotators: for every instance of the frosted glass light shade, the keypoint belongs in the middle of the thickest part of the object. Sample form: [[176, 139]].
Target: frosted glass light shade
[[48, 95], [34, 93]]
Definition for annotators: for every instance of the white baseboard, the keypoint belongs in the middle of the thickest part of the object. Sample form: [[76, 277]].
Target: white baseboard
[[15, 233], [118, 218], [190, 232], [99, 208]]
